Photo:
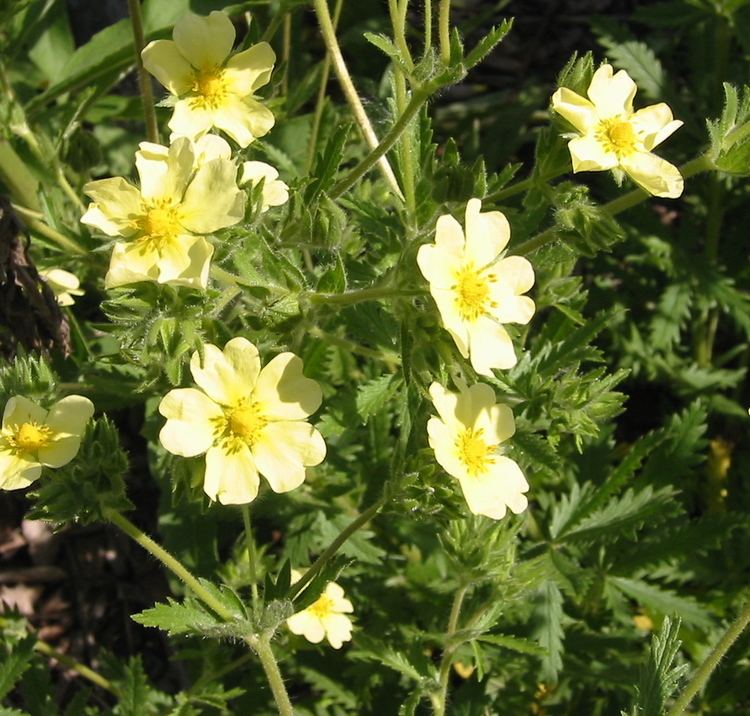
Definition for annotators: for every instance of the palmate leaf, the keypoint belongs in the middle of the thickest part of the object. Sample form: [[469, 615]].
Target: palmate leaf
[[659, 677]]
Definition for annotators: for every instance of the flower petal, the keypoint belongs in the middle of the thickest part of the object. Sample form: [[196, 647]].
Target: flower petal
[[212, 200], [19, 410], [442, 440], [229, 376], [612, 95], [587, 154], [338, 629], [437, 266], [244, 120], [164, 171], [231, 477], [131, 263], [197, 252], [487, 233], [490, 346], [500, 487], [117, 206], [211, 146], [654, 174], [452, 321], [189, 120], [204, 41], [654, 124], [576, 109], [285, 392], [449, 236], [497, 422], [165, 62], [16, 472], [247, 71], [284, 449], [188, 430], [515, 274], [305, 624], [336, 594], [70, 415]]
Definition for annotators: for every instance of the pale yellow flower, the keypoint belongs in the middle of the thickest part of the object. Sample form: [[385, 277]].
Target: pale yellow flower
[[612, 135], [467, 440], [32, 437], [213, 88], [246, 420], [475, 291], [275, 192], [64, 285], [186, 190], [325, 618]]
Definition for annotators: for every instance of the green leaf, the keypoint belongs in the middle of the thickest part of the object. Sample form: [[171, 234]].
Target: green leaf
[[513, 643], [186, 617], [488, 43], [548, 629], [373, 395], [15, 663], [660, 677], [641, 63], [137, 696], [663, 601]]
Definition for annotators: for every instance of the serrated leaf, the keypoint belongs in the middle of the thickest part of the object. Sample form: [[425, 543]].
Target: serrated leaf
[[15, 663], [513, 643], [186, 617], [373, 395], [548, 630]]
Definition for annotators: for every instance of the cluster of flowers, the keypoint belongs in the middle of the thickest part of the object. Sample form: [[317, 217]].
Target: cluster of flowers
[[250, 420]]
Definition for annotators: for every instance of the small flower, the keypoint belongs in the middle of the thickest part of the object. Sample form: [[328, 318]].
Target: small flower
[[275, 192], [325, 618], [63, 284], [32, 437], [467, 441], [186, 190], [474, 290], [246, 420], [612, 135], [213, 88]]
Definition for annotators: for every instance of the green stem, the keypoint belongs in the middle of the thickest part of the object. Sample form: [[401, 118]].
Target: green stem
[[262, 647], [427, 27], [251, 554], [170, 562], [144, 79], [334, 547], [320, 100], [350, 92], [364, 294], [520, 187], [391, 359], [444, 30], [405, 148], [614, 207], [286, 51], [43, 648], [48, 232], [439, 703], [418, 98], [208, 676], [711, 662]]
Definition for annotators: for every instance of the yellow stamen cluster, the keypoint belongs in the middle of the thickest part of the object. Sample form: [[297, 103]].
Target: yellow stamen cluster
[[322, 608], [28, 437], [210, 88], [472, 292], [475, 454], [240, 426], [161, 219], [617, 135]]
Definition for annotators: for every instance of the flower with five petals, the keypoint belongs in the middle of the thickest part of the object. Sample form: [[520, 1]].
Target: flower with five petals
[[611, 135], [246, 420], [475, 291]]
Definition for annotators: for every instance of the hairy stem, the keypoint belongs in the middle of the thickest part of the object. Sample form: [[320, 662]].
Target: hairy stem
[[361, 295], [705, 670], [334, 547], [427, 27], [69, 662], [170, 562], [64, 242], [342, 72], [250, 541], [262, 647], [144, 79], [439, 703], [444, 30]]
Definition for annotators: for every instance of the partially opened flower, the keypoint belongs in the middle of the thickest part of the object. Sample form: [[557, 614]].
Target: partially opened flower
[[32, 437], [476, 291], [64, 285], [274, 193], [186, 190], [325, 618], [246, 420], [613, 136], [467, 439], [213, 88]]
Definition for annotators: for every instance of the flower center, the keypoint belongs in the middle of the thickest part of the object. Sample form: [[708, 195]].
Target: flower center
[[161, 220], [29, 437], [617, 135], [240, 426], [472, 291], [475, 454], [321, 608], [210, 87]]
